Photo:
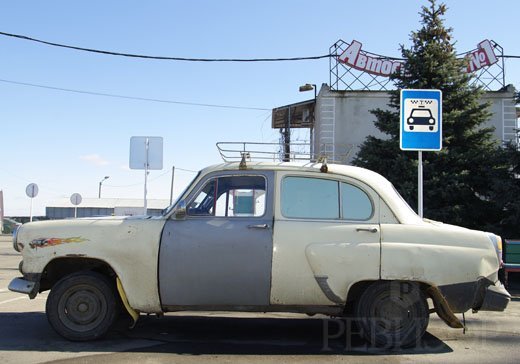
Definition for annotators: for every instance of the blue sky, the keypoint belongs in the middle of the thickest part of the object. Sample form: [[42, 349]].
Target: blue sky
[[66, 142]]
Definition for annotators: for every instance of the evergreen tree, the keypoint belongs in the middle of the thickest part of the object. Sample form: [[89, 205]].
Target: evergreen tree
[[467, 182]]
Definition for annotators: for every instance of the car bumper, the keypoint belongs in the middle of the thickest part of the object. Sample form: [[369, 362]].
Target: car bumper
[[496, 298], [481, 295], [22, 285]]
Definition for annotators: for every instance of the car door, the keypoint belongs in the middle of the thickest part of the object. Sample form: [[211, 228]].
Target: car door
[[327, 238], [221, 253]]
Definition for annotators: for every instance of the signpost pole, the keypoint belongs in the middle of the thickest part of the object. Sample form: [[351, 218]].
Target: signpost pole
[[171, 189], [30, 211], [420, 185], [147, 145]]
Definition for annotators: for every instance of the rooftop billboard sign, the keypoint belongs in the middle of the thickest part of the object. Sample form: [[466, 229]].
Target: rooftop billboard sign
[[355, 57], [353, 68]]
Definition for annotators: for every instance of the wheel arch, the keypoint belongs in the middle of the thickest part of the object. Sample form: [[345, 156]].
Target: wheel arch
[[357, 288], [61, 267]]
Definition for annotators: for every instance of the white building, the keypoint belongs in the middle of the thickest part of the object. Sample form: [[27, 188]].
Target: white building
[[343, 119], [89, 207]]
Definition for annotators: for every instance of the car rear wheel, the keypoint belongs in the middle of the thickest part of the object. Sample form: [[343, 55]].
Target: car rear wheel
[[82, 306], [392, 314]]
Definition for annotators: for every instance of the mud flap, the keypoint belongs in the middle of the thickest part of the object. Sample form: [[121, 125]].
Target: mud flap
[[443, 308], [133, 313]]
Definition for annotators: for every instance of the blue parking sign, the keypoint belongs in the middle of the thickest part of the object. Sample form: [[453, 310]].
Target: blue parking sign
[[421, 120]]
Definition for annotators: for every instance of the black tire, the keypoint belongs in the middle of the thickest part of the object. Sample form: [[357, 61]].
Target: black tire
[[392, 314], [82, 306]]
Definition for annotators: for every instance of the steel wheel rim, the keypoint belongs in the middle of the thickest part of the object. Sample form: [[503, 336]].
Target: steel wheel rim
[[393, 314], [82, 308]]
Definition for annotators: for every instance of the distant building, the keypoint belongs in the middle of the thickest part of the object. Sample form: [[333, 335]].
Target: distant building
[[91, 207], [343, 119], [340, 119]]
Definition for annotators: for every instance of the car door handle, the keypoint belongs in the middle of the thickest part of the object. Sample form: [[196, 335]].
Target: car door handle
[[370, 230], [259, 226]]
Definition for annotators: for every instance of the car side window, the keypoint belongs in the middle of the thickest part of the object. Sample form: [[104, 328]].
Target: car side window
[[230, 196], [311, 198], [355, 203], [203, 203], [318, 198]]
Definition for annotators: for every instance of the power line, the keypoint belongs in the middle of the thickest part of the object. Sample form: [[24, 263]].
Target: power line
[[133, 97], [190, 59], [184, 59]]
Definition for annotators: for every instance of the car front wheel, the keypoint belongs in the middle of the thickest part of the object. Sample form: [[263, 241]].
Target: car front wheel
[[392, 314], [82, 306]]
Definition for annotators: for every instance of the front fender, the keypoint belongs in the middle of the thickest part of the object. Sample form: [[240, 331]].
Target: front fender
[[129, 246]]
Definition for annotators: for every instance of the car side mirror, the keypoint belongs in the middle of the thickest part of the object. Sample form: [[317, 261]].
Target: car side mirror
[[180, 211]]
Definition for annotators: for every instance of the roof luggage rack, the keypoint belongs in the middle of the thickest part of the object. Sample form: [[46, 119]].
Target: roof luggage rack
[[280, 152], [237, 151]]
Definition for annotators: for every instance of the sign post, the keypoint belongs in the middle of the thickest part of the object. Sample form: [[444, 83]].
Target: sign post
[[32, 191], [420, 202], [146, 153], [75, 199], [421, 128], [2, 211]]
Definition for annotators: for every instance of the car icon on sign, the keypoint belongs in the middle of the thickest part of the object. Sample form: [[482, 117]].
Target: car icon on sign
[[421, 116]]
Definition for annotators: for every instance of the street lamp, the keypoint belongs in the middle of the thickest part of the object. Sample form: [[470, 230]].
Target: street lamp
[[308, 87], [100, 183], [304, 88]]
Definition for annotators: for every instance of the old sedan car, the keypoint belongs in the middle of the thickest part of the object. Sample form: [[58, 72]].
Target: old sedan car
[[262, 237]]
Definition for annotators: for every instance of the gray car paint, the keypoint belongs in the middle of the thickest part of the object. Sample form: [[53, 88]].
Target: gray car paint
[[218, 261]]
